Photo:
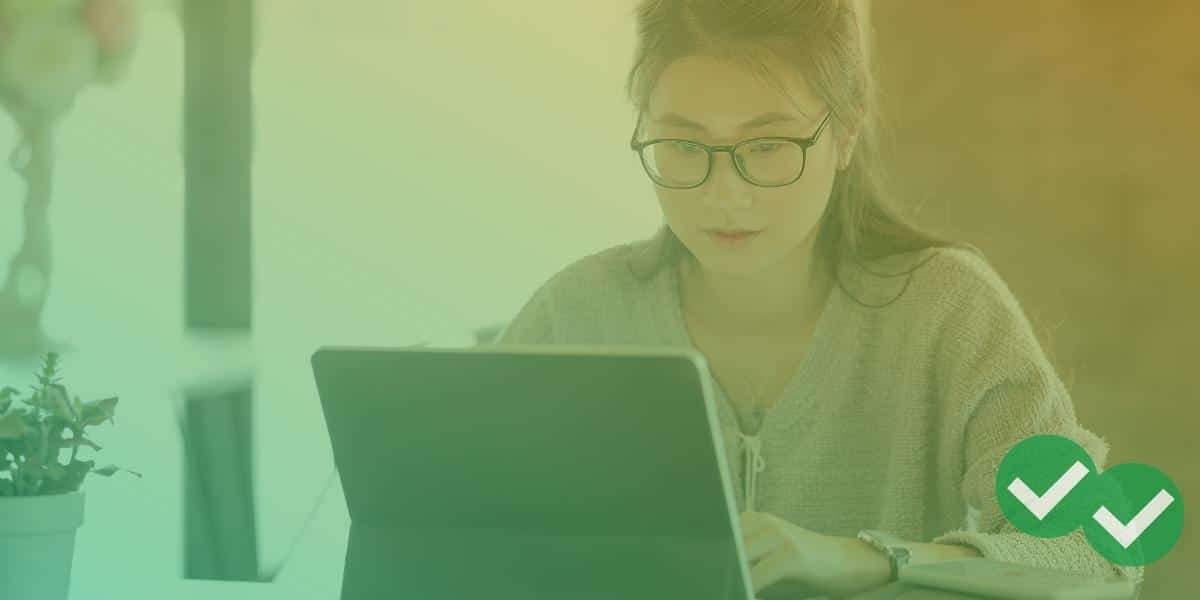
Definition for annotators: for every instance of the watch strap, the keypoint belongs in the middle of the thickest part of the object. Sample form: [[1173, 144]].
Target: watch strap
[[891, 546]]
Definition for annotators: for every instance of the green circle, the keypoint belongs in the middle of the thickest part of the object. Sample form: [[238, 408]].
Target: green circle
[[1125, 491], [1040, 462]]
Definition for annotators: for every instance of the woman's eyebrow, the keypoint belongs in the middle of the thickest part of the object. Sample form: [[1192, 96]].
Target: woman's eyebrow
[[767, 119], [677, 120]]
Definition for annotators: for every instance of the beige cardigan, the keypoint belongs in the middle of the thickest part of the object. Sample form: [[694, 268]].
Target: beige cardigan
[[897, 418]]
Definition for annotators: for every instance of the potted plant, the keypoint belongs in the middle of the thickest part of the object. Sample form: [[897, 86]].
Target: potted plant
[[41, 469]]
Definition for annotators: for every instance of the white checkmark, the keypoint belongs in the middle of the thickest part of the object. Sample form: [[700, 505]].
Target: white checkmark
[[1041, 506], [1126, 535]]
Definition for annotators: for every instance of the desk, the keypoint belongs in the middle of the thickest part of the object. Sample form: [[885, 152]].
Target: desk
[[181, 589], [314, 570], [900, 591], [206, 590], [130, 546], [116, 561]]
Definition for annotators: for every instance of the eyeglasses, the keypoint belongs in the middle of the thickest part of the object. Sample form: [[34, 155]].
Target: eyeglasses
[[765, 161]]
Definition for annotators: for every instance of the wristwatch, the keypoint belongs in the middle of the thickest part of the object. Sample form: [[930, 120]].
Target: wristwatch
[[891, 546]]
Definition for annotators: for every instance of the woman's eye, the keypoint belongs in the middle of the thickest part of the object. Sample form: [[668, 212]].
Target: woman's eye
[[765, 146], [687, 147]]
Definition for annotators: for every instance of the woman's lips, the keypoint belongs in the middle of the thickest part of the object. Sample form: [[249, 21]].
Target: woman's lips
[[732, 237]]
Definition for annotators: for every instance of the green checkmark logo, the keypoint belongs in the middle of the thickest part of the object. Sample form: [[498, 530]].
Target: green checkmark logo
[[1048, 486], [1138, 516], [1045, 486]]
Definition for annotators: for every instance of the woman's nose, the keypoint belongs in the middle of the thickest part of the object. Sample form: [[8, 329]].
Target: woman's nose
[[726, 188]]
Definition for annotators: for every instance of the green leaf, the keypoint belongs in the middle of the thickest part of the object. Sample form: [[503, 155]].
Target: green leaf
[[56, 426], [110, 470], [83, 441], [99, 411], [54, 437], [6, 398], [49, 369], [58, 403], [71, 480], [55, 472], [16, 448], [34, 472], [12, 425], [33, 436], [37, 399]]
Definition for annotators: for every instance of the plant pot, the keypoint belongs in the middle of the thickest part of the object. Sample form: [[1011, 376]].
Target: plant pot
[[37, 544]]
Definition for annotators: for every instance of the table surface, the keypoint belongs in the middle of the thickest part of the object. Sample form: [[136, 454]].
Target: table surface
[[180, 589], [130, 545]]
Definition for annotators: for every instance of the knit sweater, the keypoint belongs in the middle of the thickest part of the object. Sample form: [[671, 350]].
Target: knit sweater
[[896, 419]]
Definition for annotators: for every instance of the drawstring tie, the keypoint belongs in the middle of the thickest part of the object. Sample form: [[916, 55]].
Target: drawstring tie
[[754, 463]]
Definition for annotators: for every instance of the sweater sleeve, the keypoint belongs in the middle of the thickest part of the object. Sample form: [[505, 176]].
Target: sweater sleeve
[[566, 308], [534, 322], [999, 389]]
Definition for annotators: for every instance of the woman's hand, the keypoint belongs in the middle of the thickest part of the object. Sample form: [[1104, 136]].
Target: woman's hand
[[782, 553]]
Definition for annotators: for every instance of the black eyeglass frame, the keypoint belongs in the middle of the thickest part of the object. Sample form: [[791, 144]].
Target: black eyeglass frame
[[804, 142]]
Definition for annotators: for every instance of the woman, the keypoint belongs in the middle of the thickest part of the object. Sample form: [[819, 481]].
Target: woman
[[869, 376]]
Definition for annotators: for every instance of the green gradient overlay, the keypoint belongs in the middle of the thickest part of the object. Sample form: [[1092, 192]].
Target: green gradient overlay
[[422, 167]]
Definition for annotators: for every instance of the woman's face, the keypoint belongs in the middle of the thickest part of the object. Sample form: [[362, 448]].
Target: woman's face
[[717, 102]]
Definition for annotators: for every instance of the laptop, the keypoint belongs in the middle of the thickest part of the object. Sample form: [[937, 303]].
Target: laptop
[[507, 473]]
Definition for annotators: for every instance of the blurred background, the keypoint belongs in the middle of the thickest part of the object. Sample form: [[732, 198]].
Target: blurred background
[[1061, 138], [420, 168]]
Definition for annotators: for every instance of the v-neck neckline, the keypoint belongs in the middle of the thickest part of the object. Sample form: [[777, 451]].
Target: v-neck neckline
[[810, 367]]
